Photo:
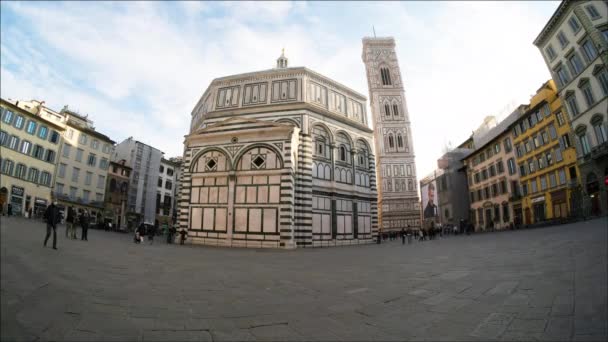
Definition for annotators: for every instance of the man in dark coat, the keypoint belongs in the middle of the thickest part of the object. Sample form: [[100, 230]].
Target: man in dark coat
[[84, 223], [52, 217]]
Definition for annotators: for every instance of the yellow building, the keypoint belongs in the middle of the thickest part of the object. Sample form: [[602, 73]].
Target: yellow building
[[28, 156], [546, 158]]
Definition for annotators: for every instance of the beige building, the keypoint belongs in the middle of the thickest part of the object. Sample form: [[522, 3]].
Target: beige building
[[28, 155], [574, 44], [83, 160], [492, 177], [398, 202]]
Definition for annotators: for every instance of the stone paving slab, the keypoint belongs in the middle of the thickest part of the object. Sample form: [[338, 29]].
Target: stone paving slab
[[545, 284]]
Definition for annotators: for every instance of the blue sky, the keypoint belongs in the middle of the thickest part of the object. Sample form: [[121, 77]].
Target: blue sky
[[138, 68]]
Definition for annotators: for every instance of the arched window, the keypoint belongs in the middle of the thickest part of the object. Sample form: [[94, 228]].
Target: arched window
[[342, 153], [33, 175], [399, 141], [387, 110], [345, 147], [362, 154], [386, 76], [322, 140], [395, 110], [391, 141]]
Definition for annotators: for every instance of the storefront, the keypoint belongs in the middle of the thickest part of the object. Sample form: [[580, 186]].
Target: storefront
[[559, 201], [538, 206], [40, 205], [17, 200]]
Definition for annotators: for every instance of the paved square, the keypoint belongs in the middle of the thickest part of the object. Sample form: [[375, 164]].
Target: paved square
[[545, 284]]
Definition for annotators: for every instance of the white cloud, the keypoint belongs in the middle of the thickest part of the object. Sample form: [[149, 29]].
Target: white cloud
[[139, 71]]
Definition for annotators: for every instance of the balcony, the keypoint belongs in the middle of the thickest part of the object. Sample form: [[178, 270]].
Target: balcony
[[599, 151]]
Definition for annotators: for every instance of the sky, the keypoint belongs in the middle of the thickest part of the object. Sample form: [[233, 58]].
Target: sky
[[138, 68]]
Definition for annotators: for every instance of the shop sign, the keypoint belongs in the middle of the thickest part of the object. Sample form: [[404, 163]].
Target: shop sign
[[538, 199], [17, 191]]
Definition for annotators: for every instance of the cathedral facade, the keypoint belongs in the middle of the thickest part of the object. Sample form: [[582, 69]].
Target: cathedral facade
[[398, 202], [280, 158]]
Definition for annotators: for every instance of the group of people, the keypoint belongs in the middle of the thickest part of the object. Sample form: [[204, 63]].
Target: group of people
[[151, 230], [52, 216]]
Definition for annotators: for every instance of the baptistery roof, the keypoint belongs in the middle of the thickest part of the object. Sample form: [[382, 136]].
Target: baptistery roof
[[280, 89]]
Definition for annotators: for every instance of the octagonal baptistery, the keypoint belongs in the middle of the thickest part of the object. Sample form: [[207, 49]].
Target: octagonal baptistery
[[280, 158]]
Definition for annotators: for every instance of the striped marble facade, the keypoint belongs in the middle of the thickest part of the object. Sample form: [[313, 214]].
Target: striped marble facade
[[281, 158]]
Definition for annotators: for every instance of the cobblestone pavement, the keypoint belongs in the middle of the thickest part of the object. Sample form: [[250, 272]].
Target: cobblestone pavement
[[543, 284]]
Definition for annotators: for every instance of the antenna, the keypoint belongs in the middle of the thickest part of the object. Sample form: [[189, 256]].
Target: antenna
[[373, 28]]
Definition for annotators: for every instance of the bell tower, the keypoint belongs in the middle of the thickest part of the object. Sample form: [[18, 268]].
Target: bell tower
[[398, 202]]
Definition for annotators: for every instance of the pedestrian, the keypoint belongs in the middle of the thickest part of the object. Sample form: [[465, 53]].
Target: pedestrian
[[52, 217], [172, 232], [151, 231], [84, 223], [409, 235], [403, 236], [69, 224], [140, 232], [29, 213], [182, 237], [10, 210]]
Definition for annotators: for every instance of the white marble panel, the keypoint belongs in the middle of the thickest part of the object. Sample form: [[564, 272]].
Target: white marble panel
[[223, 194], [221, 181], [197, 181], [243, 180], [348, 224], [208, 219], [195, 195], [263, 194], [274, 180], [255, 220], [270, 220], [220, 219], [196, 218], [340, 221], [209, 181], [240, 194], [213, 194], [271, 161], [240, 219], [274, 194], [326, 223], [251, 194], [204, 197], [260, 180]]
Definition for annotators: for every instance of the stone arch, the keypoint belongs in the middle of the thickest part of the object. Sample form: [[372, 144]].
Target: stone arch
[[288, 120], [273, 164], [323, 127], [194, 163]]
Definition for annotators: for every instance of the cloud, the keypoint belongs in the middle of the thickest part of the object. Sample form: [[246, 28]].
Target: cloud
[[139, 68]]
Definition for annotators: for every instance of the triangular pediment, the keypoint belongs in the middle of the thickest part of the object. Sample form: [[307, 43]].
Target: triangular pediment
[[241, 124]]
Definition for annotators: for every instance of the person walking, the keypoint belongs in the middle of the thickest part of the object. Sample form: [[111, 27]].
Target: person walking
[[52, 217], [403, 236], [409, 235], [182, 237], [84, 223], [10, 210], [69, 224]]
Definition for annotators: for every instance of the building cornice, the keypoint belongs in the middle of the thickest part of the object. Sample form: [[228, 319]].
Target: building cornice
[[12, 106], [553, 21]]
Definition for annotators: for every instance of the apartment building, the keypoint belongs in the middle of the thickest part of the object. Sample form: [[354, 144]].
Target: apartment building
[[145, 161], [28, 154], [83, 165], [574, 44], [492, 177], [165, 192], [547, 159], [117, 191]]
